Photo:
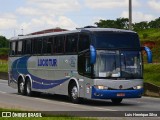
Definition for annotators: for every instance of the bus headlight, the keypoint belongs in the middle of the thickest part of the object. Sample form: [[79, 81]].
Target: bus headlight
[[101, 87], [138, 87]]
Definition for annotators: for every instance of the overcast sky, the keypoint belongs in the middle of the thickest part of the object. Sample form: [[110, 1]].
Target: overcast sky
[[35, 15]]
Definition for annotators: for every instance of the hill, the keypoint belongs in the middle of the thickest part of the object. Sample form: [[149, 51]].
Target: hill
[[151, 38]]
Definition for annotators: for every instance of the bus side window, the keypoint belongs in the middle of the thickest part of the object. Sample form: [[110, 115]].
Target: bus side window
[[13, 48], [37, 46], [84, 42], [19, 48], [51, 49], [28, 47], [49, 45], [44, 50], [59, 44], [84, 66], [71, 43]]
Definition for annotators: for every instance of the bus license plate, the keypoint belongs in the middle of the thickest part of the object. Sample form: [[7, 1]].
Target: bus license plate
[[120, 94]]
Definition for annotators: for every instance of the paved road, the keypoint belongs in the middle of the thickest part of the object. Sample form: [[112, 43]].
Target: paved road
[[44, 102]]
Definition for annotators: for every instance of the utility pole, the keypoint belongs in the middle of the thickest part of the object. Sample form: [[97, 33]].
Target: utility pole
[[130, 14]]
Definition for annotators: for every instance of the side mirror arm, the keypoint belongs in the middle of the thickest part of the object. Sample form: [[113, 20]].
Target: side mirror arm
[[149, 53]]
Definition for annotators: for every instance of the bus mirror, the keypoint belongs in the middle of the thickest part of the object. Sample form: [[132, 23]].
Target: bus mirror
[[149, 54], [92, 55]]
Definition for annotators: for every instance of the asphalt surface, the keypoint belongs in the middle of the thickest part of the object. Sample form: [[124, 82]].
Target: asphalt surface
[[45, 102]]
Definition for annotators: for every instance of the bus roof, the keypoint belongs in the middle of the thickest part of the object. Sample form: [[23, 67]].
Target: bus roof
[[72, 31]]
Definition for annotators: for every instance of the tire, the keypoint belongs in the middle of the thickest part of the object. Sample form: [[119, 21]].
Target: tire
[[117, 100], [73, 93], [21, 86], [28, 91]]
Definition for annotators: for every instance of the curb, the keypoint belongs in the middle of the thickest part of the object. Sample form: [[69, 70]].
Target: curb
[[4, 75]]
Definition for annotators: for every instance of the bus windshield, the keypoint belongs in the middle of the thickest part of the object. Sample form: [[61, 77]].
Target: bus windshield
[[118, 64], [114, 40]]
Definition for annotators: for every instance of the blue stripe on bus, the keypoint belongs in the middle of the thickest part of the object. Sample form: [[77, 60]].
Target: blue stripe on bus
[[19, 66], [109, 94]]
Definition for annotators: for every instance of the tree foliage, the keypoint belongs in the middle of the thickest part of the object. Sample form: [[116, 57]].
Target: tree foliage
[[123, 23], [4, 46], [3, 42]]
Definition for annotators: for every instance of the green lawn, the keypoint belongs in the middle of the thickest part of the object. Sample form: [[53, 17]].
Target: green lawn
[[149, 34], [3, 66], [152, 73]]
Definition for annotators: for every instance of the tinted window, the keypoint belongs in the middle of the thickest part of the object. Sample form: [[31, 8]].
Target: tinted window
[[59, 44], [45, 42], [84, 42], [37, 45], [19, 48], [116, 40], [13, 48], [84, 66], [51, 46], [28, 47], [71, 43], [47, 45], [16, 49]]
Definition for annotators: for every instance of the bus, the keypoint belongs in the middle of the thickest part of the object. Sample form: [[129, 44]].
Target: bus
[[89, 63]]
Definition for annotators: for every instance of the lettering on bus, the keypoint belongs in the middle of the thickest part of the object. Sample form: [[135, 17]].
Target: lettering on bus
[[47, 62]]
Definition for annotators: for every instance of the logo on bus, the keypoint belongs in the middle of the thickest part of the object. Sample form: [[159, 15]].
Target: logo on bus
[[72, 61], [47, 62]]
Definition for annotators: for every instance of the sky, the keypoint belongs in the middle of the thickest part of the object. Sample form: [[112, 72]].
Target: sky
[[27, 16]]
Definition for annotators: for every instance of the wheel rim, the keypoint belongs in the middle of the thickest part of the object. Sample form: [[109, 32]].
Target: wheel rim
[[74, 92], [21, 86], [28, 88]]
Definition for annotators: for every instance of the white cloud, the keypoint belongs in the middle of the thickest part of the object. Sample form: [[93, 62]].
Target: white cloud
[[46, 22], [109, 4], [138, 16], [8, 21], [29, 11], [154, 4], [56, 6]]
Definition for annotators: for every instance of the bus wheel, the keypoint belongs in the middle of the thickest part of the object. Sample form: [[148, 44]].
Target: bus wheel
[[73, 93], [117, 100], [28, 91], [21, 86]]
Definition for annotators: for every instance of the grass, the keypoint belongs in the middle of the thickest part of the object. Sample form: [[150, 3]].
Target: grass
[[152, 34], [152, 73], [3, 66]]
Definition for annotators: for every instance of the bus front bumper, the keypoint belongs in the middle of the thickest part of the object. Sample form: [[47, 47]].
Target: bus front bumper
[[109, 94]]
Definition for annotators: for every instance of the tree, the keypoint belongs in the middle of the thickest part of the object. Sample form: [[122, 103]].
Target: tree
[[120, 23], [3, 42], [141, 25], [155, 23]]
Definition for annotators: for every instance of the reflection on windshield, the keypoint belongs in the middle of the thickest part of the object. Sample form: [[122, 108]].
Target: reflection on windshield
[[130, 64], [107, 64], [126, 64]]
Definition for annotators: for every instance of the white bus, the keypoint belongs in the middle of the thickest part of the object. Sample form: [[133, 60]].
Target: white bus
[[91, 63]]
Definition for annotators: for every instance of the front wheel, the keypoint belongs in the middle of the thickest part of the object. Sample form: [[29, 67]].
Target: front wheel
[[73, 93], [117, 100]]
